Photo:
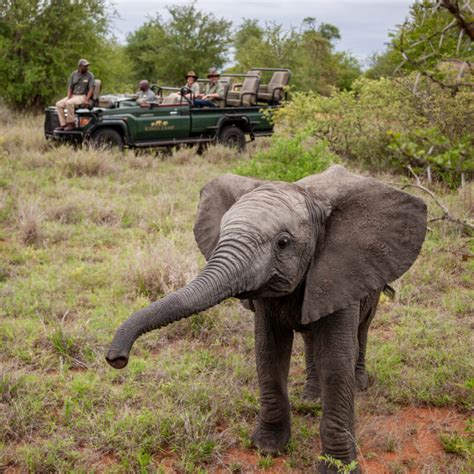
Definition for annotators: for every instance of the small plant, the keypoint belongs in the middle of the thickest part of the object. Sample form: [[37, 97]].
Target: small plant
[[338, 464], [266, 462], [455, 444]]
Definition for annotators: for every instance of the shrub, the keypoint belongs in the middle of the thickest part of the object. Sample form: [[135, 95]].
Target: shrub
[[289, 158], [387, 124]]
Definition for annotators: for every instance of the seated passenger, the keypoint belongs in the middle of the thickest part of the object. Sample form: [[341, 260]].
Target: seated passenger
[[192, 83], [80, 88], [213, 93], [146, 95]]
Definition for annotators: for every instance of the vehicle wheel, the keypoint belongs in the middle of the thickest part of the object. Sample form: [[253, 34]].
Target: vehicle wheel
[[107, 138], [233, 137]]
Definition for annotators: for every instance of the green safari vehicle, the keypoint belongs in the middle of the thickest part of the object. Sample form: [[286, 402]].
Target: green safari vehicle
[[172, 120]]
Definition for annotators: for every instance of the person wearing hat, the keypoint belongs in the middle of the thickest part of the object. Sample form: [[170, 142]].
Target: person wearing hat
[[192, 83], [214, 91], [80, 88]]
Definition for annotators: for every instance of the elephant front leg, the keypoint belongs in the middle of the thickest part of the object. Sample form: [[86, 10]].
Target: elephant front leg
[[273, 351], [335, 353], [312, 387]]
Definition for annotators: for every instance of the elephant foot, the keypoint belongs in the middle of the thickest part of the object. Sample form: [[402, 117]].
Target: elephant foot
[[311, 392], [271, 442], [362, 380]]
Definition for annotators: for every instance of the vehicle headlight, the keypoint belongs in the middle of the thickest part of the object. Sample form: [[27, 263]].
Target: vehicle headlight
[[84, 121]]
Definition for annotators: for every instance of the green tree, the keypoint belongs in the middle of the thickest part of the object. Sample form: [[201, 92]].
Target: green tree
[[308, 53], [435, 32], [191, 39], [41, 42]]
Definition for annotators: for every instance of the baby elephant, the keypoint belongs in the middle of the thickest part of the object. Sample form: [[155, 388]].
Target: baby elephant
[[312, 257]]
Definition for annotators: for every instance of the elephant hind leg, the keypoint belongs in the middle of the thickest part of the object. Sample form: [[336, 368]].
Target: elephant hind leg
[[368, 308], [312, 387]]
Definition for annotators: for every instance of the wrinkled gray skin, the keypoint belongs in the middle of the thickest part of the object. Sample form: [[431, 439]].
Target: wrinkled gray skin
[[311, 257]]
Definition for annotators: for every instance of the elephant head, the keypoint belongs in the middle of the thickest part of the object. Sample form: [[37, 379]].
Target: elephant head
[[339, 234]]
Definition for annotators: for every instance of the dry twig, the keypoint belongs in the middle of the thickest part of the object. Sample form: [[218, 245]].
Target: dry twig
[[447, 216]]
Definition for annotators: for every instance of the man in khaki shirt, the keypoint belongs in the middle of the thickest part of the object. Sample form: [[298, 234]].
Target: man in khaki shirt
[[80, 88], [214, 91]]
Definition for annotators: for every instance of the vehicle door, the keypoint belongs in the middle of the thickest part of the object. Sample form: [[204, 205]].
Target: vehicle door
[[165, 122]]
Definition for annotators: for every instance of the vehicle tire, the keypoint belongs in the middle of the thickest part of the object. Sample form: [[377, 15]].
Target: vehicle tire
[[233, 137], [107, 138]]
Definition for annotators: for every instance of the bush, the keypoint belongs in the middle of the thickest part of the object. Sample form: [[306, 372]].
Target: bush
[[388, 124], [289, 159]]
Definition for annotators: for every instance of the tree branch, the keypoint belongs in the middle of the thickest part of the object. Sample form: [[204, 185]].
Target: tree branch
[[463, 23], [446, 214]]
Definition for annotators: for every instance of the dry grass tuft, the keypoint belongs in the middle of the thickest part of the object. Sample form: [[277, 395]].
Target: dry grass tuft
[[30, 219], [88, 162], [68, 212], [183, 155], [160, 268], [219, 153], [140, 161]]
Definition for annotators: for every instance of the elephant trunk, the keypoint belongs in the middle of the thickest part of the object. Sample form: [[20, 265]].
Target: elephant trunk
[[210, 287]]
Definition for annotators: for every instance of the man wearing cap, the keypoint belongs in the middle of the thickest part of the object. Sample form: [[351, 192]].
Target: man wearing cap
[[214, 91], [146, 95], [80, 88]]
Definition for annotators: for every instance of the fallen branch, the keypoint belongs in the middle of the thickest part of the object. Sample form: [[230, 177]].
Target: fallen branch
[[447, 216]]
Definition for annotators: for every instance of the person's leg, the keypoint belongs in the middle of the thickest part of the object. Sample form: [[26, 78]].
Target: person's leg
[[60, 105], [70, 103], [203, 103]]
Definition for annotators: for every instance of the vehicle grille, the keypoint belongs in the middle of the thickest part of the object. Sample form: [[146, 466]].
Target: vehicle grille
[[51, 121]]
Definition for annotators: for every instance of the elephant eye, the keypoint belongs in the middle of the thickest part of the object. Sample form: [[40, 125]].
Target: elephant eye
[[283, 242]]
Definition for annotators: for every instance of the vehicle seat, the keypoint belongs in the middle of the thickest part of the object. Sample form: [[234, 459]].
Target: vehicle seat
[[226, 83], [274, 90], [247, 95], [172, 99]]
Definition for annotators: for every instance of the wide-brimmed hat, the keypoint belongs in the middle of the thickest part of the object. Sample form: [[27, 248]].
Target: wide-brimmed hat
[[213, 72], [83, 62], [191, 74]]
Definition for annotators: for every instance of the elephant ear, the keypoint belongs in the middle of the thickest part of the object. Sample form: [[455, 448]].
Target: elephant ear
[[217, 197], [372, 236]]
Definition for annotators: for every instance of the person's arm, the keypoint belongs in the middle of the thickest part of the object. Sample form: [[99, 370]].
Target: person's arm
[[216, 95], [90, 91]]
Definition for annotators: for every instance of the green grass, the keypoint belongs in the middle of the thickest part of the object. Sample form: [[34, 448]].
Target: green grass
[[111, 232]]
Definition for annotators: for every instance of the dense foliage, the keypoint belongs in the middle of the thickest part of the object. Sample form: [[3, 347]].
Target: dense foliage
[[41, 42], [164, 51], [381, 124]]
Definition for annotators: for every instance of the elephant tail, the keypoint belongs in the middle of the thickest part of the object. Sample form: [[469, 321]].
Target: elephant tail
[[389, 292]]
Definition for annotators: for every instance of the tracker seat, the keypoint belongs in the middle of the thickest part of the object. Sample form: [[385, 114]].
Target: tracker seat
[[273, 92], [246, 96]]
